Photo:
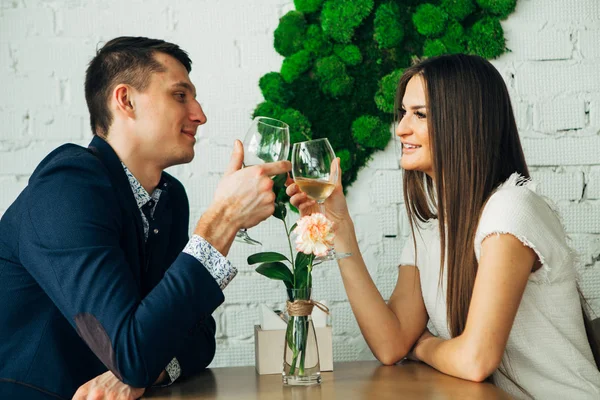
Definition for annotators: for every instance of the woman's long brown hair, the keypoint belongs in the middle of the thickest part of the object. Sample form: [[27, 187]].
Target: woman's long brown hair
[[475, 147]]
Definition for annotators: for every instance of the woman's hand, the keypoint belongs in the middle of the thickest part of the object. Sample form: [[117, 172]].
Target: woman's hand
[[336, 208], [424, 337]]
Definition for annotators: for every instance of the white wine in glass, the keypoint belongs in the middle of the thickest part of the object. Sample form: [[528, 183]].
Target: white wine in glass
[[316, 173], [316, 189], [267, 140]]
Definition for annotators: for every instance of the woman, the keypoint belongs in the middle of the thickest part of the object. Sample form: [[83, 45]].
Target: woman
[[488, 264]]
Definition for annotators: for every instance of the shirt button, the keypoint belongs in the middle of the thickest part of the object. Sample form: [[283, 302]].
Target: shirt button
[[155, 231], [165, 184], [150, 203]]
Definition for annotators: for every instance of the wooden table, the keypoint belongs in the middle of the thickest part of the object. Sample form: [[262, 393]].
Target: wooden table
[[348, 381]]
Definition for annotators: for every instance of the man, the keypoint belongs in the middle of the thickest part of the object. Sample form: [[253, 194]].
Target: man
[[99, 282]]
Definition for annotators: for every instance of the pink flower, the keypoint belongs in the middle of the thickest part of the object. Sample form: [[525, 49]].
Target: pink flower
[[315, 235]]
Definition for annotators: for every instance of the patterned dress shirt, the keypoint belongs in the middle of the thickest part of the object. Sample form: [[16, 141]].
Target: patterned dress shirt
[[217, 265]]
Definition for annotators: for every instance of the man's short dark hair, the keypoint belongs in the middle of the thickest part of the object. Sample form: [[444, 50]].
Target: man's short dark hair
[[128, 60]]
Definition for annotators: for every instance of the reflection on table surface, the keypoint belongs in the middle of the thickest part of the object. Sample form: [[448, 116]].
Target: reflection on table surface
[[348, 381]]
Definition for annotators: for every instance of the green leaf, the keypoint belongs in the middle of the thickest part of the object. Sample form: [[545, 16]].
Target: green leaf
[[268, 256], [301, 270], [289, 335], [292, 228], [279, 181], [294, 209], [302, 260], [277, 271], [280, 211]]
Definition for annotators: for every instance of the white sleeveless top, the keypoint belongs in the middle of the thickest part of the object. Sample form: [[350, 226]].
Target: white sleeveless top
[[547, 351]]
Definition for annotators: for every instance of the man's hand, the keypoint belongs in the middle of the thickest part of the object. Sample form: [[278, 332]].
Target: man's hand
[[243, 199], [248, 193], [107, 387]]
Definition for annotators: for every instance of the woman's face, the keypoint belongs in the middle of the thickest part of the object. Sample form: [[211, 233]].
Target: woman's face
[[412, 129]]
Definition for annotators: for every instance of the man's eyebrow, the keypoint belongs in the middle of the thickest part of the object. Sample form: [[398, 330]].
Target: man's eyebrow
[[185, 85]]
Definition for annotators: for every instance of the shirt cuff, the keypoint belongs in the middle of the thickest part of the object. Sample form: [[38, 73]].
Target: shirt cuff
[[217, 265], [173, 370]]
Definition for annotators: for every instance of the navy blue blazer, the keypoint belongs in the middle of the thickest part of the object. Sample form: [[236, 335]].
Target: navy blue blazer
[[82, 293]]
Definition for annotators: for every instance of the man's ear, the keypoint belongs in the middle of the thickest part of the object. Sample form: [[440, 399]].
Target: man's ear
[[123, 100]]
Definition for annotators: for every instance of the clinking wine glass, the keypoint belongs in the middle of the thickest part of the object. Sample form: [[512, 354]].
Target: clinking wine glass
[[315, 172], [267, 140]]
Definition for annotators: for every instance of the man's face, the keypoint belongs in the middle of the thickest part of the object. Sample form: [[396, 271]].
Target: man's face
[[167, 116]]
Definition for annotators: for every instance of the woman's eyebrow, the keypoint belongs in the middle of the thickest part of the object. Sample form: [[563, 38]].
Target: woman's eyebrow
[[414, 107]]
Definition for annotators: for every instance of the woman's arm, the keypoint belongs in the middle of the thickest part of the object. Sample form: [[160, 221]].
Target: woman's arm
[[502, 275], [390, 329]]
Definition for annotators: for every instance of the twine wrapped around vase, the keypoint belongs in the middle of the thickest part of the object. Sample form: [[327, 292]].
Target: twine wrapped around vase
[[303, 308]]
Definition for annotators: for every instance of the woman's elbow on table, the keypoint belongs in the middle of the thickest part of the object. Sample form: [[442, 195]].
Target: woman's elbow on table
[[477, 375], [388, 360], [479, 366], [391, 356]]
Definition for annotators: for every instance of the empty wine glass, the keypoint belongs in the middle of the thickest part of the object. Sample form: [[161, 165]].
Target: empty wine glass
[[267, 140], [316, 173]]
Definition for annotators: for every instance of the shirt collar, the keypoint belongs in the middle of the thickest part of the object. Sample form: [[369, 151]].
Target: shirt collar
[[141, 195]]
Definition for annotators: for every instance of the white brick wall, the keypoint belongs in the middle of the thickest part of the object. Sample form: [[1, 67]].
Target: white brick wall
[[563, 113], [553, 74], [588, 43]]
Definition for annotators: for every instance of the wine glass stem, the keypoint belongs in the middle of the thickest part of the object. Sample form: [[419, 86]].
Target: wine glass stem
[[322, 211], [322, 207]]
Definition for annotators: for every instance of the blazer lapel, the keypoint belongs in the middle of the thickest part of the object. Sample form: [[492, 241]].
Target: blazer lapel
[[111, 161]]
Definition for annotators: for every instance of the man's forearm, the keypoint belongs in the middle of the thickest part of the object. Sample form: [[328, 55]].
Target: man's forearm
[[198, 349], [217, 228]]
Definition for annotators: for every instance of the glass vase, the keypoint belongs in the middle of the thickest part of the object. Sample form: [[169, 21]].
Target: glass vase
[[301, 354]]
